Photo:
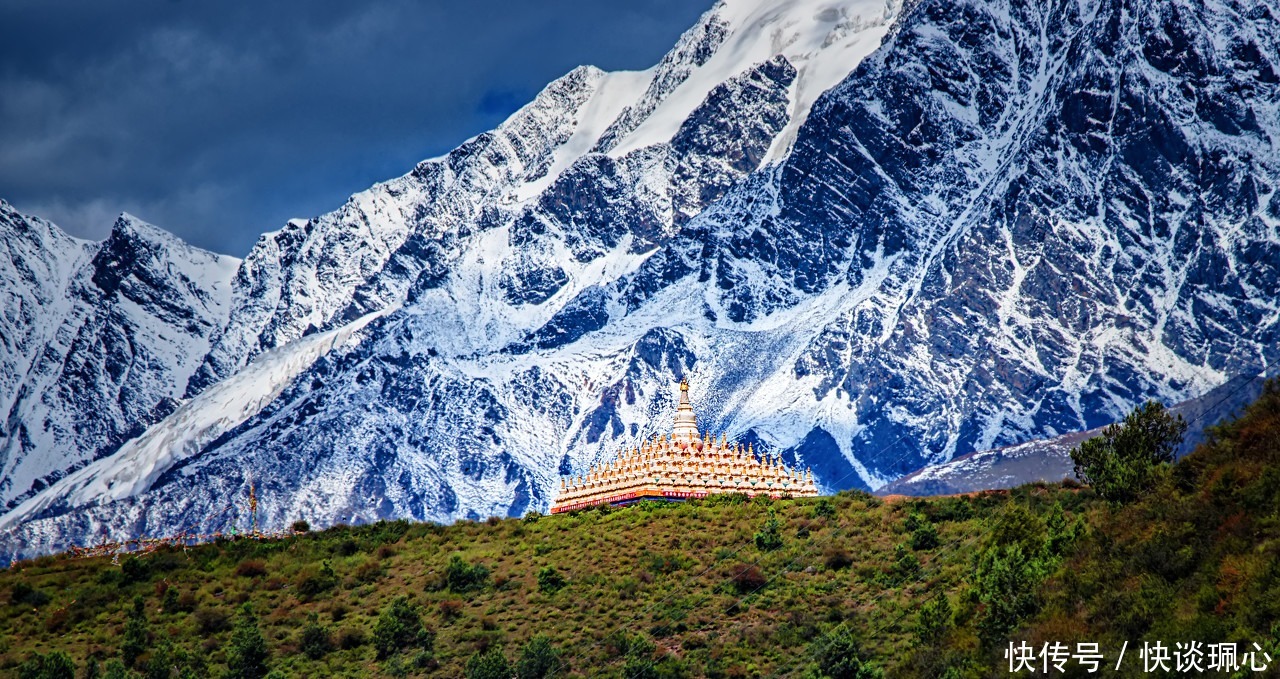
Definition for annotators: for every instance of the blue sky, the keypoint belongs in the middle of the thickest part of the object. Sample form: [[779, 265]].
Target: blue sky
[[220, 120]]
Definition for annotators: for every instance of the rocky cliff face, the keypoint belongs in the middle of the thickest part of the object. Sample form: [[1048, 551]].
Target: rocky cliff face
[[98, 340], [1011, 220]]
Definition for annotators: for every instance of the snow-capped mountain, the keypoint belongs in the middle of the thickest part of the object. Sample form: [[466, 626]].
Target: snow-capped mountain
[[1049, 460], [98, 340], [873, 237]]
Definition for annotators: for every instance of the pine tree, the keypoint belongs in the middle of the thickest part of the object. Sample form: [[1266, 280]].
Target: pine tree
[[934, 621], [116, 670], [315, 640], [490, 664], [1121, 463], [538, 659], [770, 536], [400, 626], [247, 657], [56, 665], [1006, 580], [839, 656], [137, 635]]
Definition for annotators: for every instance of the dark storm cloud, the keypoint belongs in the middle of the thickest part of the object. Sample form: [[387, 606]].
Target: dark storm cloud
[[219, 120]]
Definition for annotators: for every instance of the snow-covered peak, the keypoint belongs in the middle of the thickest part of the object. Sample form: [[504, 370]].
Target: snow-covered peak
[[823, 39], [96, 338], [129, 226]]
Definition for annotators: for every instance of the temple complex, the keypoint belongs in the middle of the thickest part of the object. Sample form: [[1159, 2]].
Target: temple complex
[[681, 465]]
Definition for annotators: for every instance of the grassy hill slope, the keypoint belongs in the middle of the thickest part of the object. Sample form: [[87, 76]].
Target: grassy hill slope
[[841, 586]]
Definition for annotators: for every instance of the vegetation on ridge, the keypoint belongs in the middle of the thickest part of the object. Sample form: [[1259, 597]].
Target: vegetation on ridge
[[844, 586]]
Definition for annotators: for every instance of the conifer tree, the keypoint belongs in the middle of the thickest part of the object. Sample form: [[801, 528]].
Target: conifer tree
[[770, 536], [56, 665], [137, 636], [490, 664], [247, 657], [116, 670], [1121, 463], [400, 626], [839, 656], [538, 659]]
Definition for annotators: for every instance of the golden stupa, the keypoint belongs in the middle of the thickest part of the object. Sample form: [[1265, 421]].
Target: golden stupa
[[684, 464]]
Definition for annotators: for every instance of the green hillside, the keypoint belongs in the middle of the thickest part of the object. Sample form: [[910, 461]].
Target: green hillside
[[846, 586]]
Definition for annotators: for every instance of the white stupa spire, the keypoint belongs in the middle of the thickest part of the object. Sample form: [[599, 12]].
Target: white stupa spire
[[686, 424]]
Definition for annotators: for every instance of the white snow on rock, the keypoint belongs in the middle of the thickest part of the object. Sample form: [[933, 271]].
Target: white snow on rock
[[195, 424]]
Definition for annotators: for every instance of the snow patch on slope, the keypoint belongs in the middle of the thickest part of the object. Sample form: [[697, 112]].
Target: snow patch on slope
[[824, 39], [189, 429]]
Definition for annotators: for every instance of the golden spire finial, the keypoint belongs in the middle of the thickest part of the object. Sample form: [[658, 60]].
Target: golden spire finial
[[684, 384]]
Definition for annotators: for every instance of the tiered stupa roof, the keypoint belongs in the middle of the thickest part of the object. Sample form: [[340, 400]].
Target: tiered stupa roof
[[681, 465]]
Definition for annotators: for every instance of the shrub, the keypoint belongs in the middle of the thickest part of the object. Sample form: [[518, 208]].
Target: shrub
[[915, 520], [532, 516], [769, 537], [924, 537], [169, 600], [251, 568], [950, 509], [839, 656], [620, 643], [464, 577], [720, 499], [247, 655], [23, 594], [550, 581], [56, 665], [312, 582], [350, 637], [666, 564], [116, 670], [905, 565], [398, 627], [186, 602], [315, 640], [748, 578], [367, 572], [167, 658], [823, 509], [300, 526], [134, 569], [451, 609], [210, 621], [1058, 533], [836, 558], [57, 620], [490, 664], [346, 547], [538, 659], [1121, 464], [640, 668]]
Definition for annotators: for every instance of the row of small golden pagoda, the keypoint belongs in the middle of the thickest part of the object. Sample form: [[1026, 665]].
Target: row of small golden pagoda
[[682, 465]]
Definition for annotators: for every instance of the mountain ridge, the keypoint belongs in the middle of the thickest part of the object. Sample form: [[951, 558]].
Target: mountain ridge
[[1006, 222]]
